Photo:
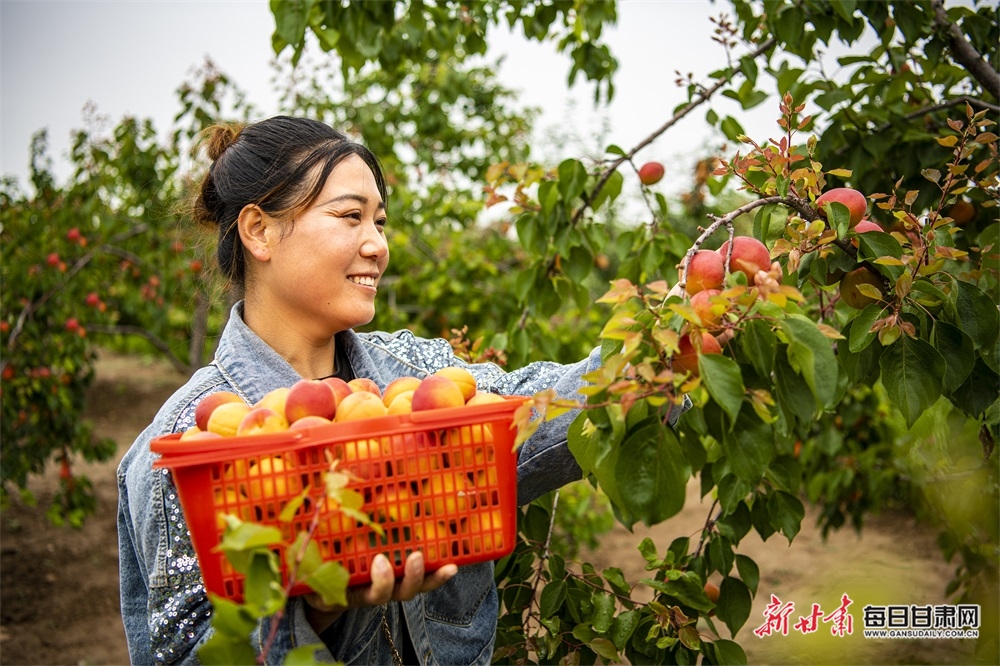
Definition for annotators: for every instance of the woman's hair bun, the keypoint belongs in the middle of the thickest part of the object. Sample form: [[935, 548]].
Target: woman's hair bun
[[217, 138]]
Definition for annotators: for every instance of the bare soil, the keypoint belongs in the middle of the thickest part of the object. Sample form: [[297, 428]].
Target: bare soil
[[59, 586]]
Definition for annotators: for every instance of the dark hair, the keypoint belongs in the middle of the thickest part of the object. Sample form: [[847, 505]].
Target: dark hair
[[280, 164]]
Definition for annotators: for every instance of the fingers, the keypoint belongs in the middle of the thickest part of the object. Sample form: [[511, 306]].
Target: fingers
[[439, 577], [385, 588], [382, 585]]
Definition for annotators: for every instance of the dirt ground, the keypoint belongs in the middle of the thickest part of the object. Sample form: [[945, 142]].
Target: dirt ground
[[59, 587]]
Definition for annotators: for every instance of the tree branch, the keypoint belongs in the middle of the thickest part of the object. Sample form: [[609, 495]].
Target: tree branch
[[964, 53], [143, 333], [699, 99]]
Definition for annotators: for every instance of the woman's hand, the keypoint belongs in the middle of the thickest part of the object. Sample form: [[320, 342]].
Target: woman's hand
[[382, 589]]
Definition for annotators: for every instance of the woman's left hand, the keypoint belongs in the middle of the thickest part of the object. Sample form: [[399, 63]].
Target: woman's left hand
[[383, 588]]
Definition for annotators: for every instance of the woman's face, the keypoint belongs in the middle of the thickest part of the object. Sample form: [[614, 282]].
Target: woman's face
[[324, 266]]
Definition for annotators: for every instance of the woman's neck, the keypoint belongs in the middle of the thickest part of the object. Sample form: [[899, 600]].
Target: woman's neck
[[311, 356]]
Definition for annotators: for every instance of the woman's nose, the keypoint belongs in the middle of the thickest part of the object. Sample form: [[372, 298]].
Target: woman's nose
[[375, 244]]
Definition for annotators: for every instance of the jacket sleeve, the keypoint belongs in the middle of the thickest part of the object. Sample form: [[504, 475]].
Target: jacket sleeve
[[165, 609]]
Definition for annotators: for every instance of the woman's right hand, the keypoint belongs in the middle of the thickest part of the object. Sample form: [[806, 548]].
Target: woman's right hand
[[382, 589]]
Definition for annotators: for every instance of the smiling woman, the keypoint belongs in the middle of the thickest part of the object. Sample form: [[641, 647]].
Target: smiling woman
[[300, 212]]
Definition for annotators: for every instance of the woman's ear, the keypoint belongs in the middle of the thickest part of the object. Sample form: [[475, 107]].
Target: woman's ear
[[254, 227]]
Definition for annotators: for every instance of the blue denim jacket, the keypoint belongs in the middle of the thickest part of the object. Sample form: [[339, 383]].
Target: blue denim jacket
[[166, 612]]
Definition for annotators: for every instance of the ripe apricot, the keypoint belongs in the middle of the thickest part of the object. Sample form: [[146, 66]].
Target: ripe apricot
[[855, 201], [702, 305], [462, 377], [203, 410], [261, 420], [401, 404], [651, 173], [397, 386], [225, 418], [961, 212], [690, 347], [364, 384], [436, 392], [850, 292], [310, 397], [361, 405], [706, 270], [749, 256], [276, 400]]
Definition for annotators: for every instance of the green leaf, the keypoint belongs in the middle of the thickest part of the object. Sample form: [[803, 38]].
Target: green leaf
[[687, 589], [810, 353], [572, 180], [552, 598], [977, 314], [304, 655], [732, 490], [734, 604], [786, 513], [604, 648], [623, 627], [230, 617], [225, 649], [958, 352], [329, 580], [604, 612], [861, 334], [749, 446], [262, 587], [971, 397], [749, 572], [720, 554], [759, 343], [736, 524], [731, 128], [291, 17], [726, 653], [724, 382], [912, 373], [858, 366], [793, 393], [650, 473]]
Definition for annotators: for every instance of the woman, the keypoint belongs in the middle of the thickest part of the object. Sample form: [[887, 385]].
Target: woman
[[301, 213]]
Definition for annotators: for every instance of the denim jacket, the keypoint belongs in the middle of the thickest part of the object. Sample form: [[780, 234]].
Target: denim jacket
[[165, 609]]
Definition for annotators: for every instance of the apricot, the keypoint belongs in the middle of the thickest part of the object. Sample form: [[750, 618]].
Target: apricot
[[856, 203], [225, 418], [401, 404], [309, 422], [267, 479], [961, 212], [462, 377], [702, 305], [276, 400], [397, 386], [651, 173], [261, 420], [749, 256], [712, 592], [203, 410], [690, 347], [706, 270], [850, 292], [359, 384], [436, 392], [340, 388], [865, 226], [485, 398], [310, 397], [196, 433], [396, 501], [361, 405]]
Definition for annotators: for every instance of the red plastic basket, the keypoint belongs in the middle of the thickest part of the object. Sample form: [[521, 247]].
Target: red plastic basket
[[442, 481]]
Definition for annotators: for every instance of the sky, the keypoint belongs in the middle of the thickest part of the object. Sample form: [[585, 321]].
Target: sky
[[129, 57]]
